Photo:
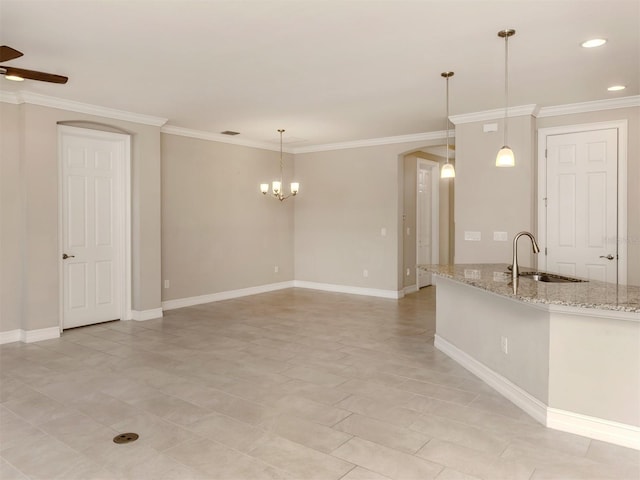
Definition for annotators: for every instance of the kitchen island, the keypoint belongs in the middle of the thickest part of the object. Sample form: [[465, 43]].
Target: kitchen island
[[566, 353]]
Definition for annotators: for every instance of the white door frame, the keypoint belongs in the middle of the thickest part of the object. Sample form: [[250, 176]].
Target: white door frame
[[423, 164], [123, 204], [621, 240]]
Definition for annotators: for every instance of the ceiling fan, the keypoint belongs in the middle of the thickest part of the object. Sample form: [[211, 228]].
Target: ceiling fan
[[19, 74]]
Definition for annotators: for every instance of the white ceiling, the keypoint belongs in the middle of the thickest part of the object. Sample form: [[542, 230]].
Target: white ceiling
[[326, 71]]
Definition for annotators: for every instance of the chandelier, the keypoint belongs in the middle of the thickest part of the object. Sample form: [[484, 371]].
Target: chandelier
[[277, 186]]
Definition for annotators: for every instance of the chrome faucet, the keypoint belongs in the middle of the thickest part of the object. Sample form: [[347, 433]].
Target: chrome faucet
[[515, 271]]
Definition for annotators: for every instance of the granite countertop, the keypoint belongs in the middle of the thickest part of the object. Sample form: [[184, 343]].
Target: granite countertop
[[495, 278]]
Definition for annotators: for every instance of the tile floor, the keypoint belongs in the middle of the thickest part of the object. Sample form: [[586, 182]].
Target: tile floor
[[294, 384]]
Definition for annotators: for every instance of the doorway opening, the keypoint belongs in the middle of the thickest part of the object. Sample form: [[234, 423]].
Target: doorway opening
[[427, 217]]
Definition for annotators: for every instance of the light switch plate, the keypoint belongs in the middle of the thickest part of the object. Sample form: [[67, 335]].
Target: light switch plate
[[472, 274], [472, 236], [500, 236]]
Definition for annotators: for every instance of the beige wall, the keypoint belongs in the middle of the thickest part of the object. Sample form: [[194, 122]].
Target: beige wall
[[37, 177], [349, 196], [632, 115], [488, 198], [219, 233], [11, 218]]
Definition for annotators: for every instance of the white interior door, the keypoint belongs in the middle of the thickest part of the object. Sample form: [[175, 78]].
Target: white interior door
[[92, 225], [582, 212], [426, 219]]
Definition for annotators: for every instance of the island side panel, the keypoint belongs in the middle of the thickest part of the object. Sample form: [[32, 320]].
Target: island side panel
[[474, 321], [595, 367]]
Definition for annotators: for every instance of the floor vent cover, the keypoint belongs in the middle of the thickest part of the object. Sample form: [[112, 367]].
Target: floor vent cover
[[125, 438]]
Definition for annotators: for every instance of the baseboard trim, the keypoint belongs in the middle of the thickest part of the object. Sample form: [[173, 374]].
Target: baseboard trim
[[29, 336], [593, 427], [528, 403], [142, 315], [329, 287], [228, 295], [410, 289], [563, 420], [10, 336]]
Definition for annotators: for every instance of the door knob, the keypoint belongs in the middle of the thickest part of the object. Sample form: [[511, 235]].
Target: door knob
[[65, 256], [608, 257]]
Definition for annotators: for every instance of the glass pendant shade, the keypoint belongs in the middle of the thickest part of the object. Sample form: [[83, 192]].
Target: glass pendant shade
[[505, 157], [447, 171]]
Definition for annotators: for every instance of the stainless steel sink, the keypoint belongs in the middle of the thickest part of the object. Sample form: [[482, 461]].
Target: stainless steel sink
[[550, 277]]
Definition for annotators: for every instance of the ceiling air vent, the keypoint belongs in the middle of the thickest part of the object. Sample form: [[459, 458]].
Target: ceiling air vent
[[230, 132]]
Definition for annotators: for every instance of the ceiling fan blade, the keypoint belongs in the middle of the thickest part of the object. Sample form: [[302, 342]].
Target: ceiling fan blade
[[7, 53], [33, 75]]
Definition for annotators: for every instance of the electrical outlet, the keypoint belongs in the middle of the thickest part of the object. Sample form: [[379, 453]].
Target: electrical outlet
[[408, 272], [166, 284], [365, 273], [504, 345], [276, 269], [383, 232], [408, 231]]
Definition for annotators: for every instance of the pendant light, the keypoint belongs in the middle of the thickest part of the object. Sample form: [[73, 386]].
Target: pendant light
[[505, 157], [277, 185], [448, 171]]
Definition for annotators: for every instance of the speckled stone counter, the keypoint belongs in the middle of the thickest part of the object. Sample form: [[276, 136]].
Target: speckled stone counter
[[496, 278]]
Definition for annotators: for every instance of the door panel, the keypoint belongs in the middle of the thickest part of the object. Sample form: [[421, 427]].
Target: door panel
[[582, 204], [426, 219], [91, 228]]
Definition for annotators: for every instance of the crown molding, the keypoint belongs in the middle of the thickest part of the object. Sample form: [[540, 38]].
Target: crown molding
[[553, 111], [585, 107], [372, 142], [9, 97], [217, 137], [495, 114], [79, 107]]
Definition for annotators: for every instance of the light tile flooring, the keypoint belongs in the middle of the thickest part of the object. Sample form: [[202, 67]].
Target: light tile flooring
[[294, 384]]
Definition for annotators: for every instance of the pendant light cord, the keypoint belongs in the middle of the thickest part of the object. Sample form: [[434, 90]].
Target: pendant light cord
[[506, 86], [447, 120], [281, 162]]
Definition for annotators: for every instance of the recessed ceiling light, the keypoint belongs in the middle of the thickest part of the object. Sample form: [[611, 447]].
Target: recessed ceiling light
[[14, 78], [594, 42], [616, 88]]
